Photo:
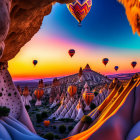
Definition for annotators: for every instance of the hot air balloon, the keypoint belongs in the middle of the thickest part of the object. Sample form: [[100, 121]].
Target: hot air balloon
[[105, 61], [35, 62], [88, 97], [79, 9], [46, 123], [72, 90], [71, 52], [39, 93], [116, 68], [133, 64], [25, 91]]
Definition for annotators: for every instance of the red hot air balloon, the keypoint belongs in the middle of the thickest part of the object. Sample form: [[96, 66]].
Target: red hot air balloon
[[39, 93], [79, 9], [88, 97], [105, 61], [133, 64], [116, 68], [35, 62], [71, 52]]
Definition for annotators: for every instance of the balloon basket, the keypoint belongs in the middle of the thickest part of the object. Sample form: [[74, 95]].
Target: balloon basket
[[79, 24]]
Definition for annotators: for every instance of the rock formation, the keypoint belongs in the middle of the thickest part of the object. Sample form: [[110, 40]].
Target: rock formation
[[26, 17], [19, 21], [117, 117], [132, 8]]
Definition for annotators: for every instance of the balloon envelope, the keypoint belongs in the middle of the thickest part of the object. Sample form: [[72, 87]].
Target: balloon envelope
[[79, 9], [39, 93], [35, 62], [88, 97], [46, 123], [105, 61], [116, 68], [71, 52], [133, 64], [72, 90]]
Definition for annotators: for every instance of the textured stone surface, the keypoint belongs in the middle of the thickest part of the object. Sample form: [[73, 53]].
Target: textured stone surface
[[4, 22], [26, 18], [132, 8]]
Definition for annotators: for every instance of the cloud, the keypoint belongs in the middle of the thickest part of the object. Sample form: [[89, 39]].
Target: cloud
[[132, 8]]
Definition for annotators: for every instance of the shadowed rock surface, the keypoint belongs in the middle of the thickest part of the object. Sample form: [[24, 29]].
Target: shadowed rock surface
[[26, 18]]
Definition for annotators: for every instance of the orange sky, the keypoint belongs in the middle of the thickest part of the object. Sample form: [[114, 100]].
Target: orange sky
[[53, 59]]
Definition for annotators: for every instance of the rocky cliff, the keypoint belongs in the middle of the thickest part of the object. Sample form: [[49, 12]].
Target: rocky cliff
[[25, 18]]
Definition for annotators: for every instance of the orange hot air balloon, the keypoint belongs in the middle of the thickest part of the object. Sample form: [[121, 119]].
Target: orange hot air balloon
[[39, 93], [71, 52], [25, 91], [46, 123], [88, 97], [105, 61], [72, 90], [133, 64]]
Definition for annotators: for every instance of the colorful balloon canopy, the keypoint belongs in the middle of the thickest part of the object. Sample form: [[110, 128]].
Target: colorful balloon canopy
[[35, 62], [116, 68], [133, 64], [88, 97], [79, 9], [46, 123], [71, 52], [72, 90], [105, 61], [39, 93], [25, 91]]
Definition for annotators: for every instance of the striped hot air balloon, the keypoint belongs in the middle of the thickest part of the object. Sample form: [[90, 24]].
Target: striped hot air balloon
[[39, 93], [79, 9], [71, 52], [105, 61], [26, 91], [116, 68], [35, 62], [88, 97], [133, 64], [72, 90]]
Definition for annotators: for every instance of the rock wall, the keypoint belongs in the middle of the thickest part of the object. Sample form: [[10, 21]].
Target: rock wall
[[132, 8], [10, 97], [26, 18]]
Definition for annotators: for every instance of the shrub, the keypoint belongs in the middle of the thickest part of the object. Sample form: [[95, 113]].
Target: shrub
[[49, 136], [62, 129], [44, 114], [54, 118], [92, 106], [39, 118], [66, 120], [57, 137], [54, 127], [27, 107], [4, 111], [70, 128], [96, 93], [86, 119]]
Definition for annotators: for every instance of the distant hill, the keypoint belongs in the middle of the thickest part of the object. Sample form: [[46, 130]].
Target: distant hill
[[121, 76], [91, 77]]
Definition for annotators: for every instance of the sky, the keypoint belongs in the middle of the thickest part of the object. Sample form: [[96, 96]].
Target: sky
[[105, 32]]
